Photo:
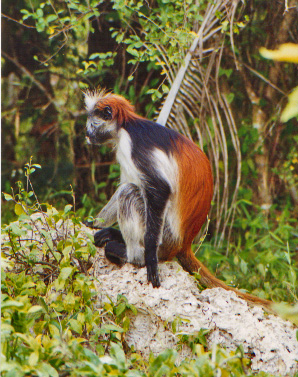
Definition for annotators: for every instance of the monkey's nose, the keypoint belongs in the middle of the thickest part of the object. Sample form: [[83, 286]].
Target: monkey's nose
[[90, 132], [88, 140]]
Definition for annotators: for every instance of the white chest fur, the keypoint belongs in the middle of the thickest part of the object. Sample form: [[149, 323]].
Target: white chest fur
[[129, 172]]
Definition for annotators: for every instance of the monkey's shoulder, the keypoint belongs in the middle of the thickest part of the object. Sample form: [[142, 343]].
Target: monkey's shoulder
[[147, 134]]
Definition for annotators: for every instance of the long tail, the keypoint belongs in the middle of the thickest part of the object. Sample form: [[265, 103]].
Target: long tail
[[191, 264]]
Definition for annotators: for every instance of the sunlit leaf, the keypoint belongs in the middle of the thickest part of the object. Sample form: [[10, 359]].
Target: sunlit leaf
[[291, 109], [18, 209], [7, 196], [287, 52], [11, 304], [33, 358], [65, 272], [17, 230], [76, 326], [106, 329], [34, 309], [67, 208], [118, 354]]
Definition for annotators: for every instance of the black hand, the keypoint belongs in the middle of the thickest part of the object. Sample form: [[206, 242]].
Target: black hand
[[89, 224]]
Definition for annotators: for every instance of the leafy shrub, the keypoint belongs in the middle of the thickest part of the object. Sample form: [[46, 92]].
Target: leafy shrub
[[52, 324], [261, 256]]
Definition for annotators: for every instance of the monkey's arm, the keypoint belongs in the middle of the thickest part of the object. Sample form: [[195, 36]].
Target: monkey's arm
[[108, 215]]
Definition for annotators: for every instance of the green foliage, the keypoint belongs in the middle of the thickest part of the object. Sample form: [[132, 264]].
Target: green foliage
[[261, 255], [52, 324], [49, 320]]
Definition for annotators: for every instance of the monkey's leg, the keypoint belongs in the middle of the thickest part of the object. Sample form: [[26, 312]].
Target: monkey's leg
[[131, 220], [115, 252]]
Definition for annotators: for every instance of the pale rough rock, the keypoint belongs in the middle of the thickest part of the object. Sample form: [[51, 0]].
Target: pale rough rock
[[269, 341]]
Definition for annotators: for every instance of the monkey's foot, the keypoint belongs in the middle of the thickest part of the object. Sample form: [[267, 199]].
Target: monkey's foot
[[152, 275], [116, 253], [106, 235]]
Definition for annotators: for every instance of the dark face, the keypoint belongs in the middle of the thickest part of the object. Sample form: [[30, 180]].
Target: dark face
[[100, 126]]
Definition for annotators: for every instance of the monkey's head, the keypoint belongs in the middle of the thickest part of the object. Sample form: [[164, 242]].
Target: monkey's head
[[107, 113]]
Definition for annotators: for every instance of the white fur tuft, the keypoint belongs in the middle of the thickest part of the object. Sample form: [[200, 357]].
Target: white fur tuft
[[92, 97]]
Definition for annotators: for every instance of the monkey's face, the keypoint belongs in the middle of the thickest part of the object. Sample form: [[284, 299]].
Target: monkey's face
[[100, 125]]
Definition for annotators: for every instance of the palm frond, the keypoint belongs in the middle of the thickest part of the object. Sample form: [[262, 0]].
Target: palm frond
[[197, 101]]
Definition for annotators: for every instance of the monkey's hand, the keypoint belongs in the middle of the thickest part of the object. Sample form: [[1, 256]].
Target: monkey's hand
[[106, 235], [91, 224], [152, 275]]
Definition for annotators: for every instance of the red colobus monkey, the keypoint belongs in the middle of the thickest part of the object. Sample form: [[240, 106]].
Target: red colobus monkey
[[164, 196]]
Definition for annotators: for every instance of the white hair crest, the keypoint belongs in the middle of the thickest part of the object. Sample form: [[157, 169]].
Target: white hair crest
[[92, 97]]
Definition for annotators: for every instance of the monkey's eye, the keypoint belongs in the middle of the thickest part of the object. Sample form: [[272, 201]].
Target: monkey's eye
[[105, 113]]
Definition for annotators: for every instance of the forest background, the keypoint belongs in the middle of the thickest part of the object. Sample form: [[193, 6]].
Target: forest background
[[53, 50]]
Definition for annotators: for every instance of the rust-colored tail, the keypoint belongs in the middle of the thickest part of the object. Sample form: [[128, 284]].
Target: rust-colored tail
[[191, 264]]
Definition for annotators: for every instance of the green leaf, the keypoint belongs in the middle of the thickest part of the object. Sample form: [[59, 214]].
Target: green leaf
[[17, 230], [165, 88], [287, 52], [120, 308], [39, 12], [243, 266], [40, 26], [46, 369], [65, 272], [159, 366], [18, 209], [11, 304], [54, 331], [133, 309], [49, 18], [106, 329], [37, 165], [42, 303], [291, 109], [34, 309], [119, 355], [67, 208], [33, 358], [125, 324], [230, 97], [202, 336], [7, 196], [132, 51], [75, 325], [48, 238]]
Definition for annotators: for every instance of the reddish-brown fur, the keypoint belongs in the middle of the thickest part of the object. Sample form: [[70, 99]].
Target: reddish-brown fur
[[195, 195], [123, 111]]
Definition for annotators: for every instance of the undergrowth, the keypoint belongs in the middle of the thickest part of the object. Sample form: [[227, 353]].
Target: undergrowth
[[261, 257], [52, 322]]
